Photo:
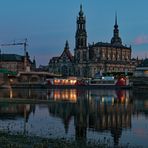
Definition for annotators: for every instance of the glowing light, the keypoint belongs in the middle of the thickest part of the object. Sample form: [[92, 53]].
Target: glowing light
[[11, 94], [11, 80], [112, 100], [146, 72], [122, 79], [102, 99], [67, 95]]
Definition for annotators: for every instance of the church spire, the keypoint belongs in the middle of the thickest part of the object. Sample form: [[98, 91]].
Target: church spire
[[116, 24], [81, 34], [66, 45], [116, 40]]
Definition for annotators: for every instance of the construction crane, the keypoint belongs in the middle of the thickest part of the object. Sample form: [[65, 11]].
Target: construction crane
[[25, 51]]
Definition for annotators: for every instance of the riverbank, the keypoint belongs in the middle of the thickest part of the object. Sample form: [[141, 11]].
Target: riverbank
[[22, 141], [26, 101], [43, 86]]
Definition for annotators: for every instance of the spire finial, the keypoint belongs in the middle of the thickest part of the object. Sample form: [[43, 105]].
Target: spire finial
[[116, 39], [81, 11], [81, 7], [116, 18], [66, 45], [116, 23]]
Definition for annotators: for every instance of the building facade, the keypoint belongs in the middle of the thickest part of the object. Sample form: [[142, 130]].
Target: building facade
[[140, 78], [16, 63], [90, 59], [63, 64]]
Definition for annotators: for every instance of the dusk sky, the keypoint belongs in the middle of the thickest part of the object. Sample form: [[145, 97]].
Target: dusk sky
[[47, 24]]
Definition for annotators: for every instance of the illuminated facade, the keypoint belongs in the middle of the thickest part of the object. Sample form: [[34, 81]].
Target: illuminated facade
[[90, 59]]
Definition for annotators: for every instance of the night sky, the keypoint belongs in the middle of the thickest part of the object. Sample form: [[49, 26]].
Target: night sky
[[47, 24]]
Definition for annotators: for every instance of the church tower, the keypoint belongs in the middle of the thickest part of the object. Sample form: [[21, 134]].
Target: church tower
[[81, 38], [116, 40], [81, 35]]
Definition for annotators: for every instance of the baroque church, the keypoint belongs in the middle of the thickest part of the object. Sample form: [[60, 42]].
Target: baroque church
[[90, 59]]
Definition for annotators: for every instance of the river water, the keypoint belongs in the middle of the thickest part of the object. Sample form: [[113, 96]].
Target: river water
[[117, 116]]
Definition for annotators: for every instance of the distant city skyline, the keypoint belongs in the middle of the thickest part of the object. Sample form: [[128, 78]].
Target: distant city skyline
[[48, 24]]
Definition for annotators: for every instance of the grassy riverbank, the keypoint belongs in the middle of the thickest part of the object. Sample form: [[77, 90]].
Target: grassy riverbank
[[21, 141]]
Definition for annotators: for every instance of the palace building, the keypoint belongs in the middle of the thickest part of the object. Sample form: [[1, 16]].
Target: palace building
[[16, 63], [90, 59]]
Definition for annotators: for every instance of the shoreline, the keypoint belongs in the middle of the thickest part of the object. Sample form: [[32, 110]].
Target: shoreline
[[20, 140], [44, 86]]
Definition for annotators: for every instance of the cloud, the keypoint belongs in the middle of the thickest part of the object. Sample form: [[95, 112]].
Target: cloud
[[143, 39]]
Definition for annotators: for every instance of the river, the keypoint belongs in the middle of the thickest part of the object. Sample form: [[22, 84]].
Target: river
[[119, 117]]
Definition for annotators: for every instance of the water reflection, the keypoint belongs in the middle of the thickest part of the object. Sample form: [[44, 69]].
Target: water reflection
[[24, 94], [107, 112], [96, 111], [63, 95]]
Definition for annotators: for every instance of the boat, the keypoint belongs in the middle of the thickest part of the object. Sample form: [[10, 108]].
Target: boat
[[102, 82]]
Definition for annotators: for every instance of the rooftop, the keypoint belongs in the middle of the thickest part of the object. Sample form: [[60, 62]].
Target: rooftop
[[11, 57], [102, 44]]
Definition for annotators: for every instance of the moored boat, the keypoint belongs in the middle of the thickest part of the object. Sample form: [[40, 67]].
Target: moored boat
[[102, 82]]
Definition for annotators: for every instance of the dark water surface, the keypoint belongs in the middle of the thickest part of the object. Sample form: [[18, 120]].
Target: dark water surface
[[91, 115]]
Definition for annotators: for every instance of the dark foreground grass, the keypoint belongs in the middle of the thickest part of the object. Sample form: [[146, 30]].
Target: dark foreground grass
[[22, 141]]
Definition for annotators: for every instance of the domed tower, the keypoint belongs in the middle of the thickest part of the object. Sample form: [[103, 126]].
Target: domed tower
[[81, 38], [116, 40]]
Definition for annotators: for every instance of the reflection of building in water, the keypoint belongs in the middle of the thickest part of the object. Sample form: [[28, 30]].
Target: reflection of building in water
[[108, 117], [15, 111], [140, 103], [63, 110], [111, 113], [81, 117], [65, 94], [90, 113], [112, 96], [24, 93]]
